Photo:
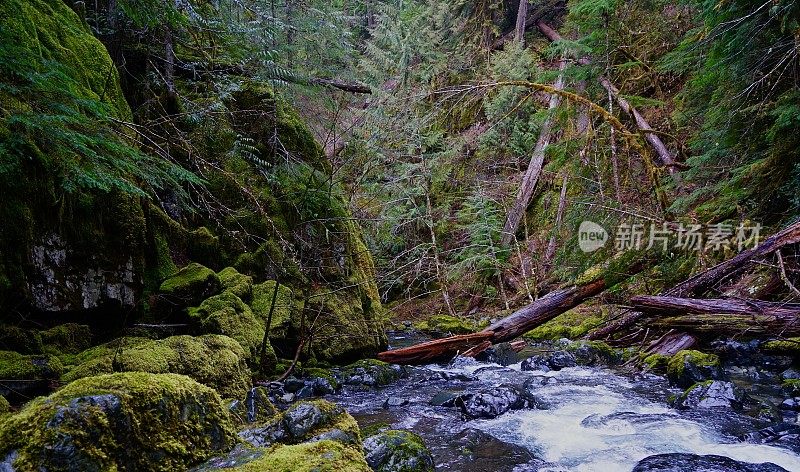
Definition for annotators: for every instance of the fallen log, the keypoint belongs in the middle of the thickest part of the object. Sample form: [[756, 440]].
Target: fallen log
[[533, 15], [705, 280], [722, 316], [434, 350], [671, 343]]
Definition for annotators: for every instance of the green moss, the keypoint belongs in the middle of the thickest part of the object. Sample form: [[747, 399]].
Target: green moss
[[287, 307], [68, 338], [407, 452], [5, 407], [236, 283], [102, 350], [216, 361], [573, 324], [320, 456], [787, 346], [792, 386], [192, 283], [444, 324], [227, 314], [24, 341], [678, 362], [125, 421], [16, 366], [374, 428], [203, 246], [656, 362]]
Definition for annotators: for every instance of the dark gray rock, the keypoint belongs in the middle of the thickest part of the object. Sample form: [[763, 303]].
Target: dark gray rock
[[502, 354], [535, 363], [293, 385], [782, 434], [791, 404], [395, 402], [561, 359], [444, 398], [712, 394], [321, 386], [493, 402], [790, 374], [678, 462], [397, 451]]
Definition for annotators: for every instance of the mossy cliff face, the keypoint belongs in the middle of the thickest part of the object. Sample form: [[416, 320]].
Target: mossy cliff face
[[126, 421], [65, 252], [95, 255]]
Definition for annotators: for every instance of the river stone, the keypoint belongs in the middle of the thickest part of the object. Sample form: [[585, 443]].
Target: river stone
[[791, 404], [680, 462], [370, 373], [493, 402], [538, 363], [485, 452], [561, 359], [712, 394], [782, 434], [397, 451], [304, 422], [502, 354], [255, 408], [395, 402], [444, 398], [293, 385], [790, 374]]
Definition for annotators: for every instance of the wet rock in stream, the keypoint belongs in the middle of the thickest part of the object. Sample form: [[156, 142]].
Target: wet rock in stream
[[678, 462], [712, 394], [397, 451], [493, 402]]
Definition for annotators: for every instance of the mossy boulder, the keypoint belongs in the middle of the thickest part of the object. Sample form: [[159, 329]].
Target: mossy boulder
[[16, 366], [68, 338], [238, 284], [5, 407], [656, 362], [191, 285], [287, 310], [790, 346], [21, 340], [319, 456], [446, 325], [369, 373], [227, 314], [712, 394], [123, 421], [397, 451], [216, 361], [689, 367], [316, 420]]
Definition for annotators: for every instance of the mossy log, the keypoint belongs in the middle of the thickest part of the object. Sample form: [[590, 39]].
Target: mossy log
[[722, 316]]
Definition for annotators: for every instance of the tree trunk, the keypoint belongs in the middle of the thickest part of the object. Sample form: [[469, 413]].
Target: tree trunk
[[434, 350], [664, 156], [551, 245], [734, 266], [531, 177], [522, 16], [671, 344], [534, 13]]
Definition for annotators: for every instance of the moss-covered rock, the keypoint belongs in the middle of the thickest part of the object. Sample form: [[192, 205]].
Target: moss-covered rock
[[689, 367], [306, 421], [573, 324], [791, 386], [238, 284], [213, 360], [446, 325], [256, 407], [287, 307], [397, 451], [23, 341], [594, 352], [124, 421], [656, 362], [227, 314], [790, 346], [320, 456], [191, 285], [68, 338], [16, 366], [5, 407]]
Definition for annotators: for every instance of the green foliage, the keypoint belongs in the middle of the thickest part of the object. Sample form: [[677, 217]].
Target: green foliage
[[63, 111]]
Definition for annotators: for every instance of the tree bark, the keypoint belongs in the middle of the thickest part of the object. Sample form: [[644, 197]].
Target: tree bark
[[434, 350], [551, 245], [522, 16], [534, 13], [664, 156], [534, 170]]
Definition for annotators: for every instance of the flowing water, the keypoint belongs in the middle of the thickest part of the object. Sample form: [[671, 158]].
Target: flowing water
[[595, 419]]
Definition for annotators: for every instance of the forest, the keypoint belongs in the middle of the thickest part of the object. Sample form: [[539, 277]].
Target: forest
[[400, 235]]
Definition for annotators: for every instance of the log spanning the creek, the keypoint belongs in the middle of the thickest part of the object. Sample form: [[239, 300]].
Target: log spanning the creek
[[513, 326]]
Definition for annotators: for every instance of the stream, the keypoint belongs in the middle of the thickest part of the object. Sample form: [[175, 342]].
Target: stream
[[586, 419]]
